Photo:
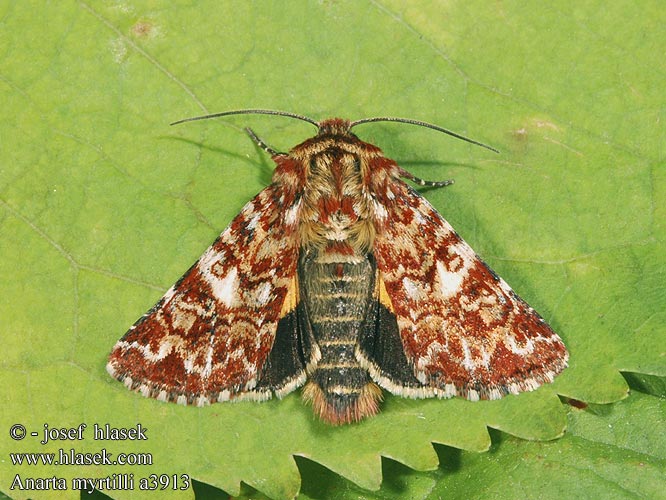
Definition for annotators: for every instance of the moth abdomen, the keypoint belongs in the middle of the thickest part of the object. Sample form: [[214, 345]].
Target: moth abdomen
[[338, 405], [336, 290], [339, 388]]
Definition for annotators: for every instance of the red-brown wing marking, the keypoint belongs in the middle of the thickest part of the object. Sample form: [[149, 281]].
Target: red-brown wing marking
[[463, 329], [208, 338]]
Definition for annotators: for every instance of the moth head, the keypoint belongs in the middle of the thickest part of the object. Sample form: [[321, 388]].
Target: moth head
[[333, 126]]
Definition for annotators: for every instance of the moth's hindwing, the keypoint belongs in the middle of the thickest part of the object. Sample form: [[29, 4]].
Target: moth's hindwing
[[212, 336], [462, 329]]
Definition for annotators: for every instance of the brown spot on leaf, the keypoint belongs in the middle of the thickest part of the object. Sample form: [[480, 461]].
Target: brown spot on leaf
[[143, 29]]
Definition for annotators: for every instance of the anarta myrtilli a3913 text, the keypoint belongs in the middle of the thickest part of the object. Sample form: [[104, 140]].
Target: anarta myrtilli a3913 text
[[341, 277]]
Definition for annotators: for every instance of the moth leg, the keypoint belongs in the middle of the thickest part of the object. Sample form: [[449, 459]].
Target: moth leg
[[259, 142], [421, 182]]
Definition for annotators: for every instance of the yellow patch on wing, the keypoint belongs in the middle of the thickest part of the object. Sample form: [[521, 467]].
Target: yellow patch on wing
[[383, 295], [291, 299]]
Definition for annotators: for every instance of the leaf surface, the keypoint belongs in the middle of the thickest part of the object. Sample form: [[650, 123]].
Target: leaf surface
[[103, 206]]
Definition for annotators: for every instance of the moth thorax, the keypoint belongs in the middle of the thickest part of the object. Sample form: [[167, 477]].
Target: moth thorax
[[356, 238], [335, 210]]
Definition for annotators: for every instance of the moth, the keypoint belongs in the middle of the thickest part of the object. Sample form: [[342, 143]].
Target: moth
[[341, 277]]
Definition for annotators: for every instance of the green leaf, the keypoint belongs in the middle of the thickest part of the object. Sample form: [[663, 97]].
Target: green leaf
[[611, 451], [103, 206]]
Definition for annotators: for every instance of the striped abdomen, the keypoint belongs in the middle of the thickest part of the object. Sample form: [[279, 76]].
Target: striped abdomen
[[337, 291]]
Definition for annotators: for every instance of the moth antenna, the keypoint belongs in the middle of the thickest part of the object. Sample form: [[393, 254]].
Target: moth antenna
[[422, 124], [248, 112]]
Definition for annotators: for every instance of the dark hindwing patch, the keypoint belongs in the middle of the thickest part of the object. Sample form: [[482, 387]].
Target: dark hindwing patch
[[382, 353], [293, 350]]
